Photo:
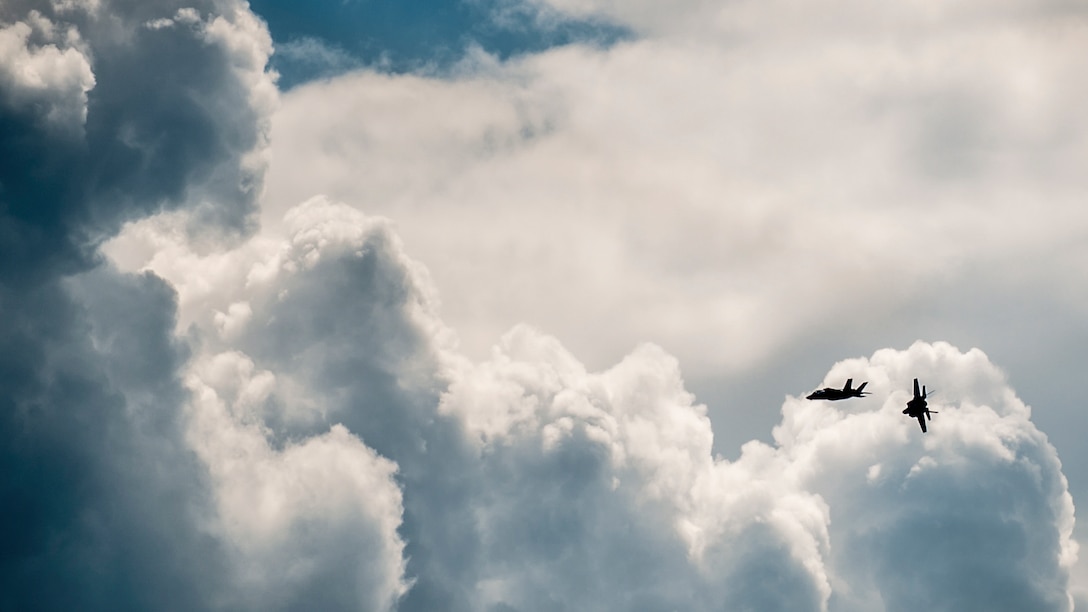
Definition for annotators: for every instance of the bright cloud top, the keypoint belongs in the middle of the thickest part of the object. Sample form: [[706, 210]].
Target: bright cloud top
[[581, 489], [54, 73]]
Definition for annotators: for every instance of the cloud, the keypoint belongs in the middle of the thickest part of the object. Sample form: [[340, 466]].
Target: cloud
[[717, 183], [101, 496], [769, 185], [530, 482], [105, 503], [232, 416], [851, 499], [938, 520], [153, 120], [506, 508], [312, 523], [45, 79]]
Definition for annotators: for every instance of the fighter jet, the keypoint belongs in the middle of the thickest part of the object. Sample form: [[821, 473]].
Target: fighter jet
[[829, 393], [917, 407]]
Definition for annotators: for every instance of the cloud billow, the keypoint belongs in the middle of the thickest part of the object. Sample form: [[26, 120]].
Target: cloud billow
[[104, 119], [531, 483], [103, 501], [976, 513], [522, 482], [100, 492]]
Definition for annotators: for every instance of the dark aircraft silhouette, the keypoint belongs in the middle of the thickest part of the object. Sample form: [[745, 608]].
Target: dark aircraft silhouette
[[829, 393], [917, 407]]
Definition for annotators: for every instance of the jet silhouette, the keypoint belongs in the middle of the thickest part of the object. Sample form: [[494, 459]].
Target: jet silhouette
[[917, 407], [829, 393]]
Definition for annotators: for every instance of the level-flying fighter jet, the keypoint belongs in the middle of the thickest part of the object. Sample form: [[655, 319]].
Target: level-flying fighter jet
[[917, 407], [830, 393]]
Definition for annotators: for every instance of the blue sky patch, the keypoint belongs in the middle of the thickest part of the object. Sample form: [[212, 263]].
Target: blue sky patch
[[328, 37]]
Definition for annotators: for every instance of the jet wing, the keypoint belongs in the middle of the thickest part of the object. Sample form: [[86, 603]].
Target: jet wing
[[922, 422], [917, 393]]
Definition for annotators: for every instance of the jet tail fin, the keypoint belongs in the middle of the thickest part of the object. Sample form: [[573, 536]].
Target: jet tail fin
[[849, 384], [862, 387]]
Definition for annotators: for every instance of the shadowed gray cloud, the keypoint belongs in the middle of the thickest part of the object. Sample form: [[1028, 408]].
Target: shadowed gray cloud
[[343, 331], [103, 502], [101, 496], [168, 121]]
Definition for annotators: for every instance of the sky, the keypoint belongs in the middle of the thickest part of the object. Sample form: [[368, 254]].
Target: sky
[[512, 305]]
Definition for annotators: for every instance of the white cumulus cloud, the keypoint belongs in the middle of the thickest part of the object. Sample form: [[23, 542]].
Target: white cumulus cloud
[[574, 488], [45, 71]]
